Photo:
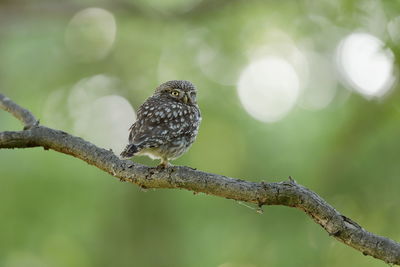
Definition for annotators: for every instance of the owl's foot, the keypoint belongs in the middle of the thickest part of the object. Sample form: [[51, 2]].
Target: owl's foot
[[164, 164]]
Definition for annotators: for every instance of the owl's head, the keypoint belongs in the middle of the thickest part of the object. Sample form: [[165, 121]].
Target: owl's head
[[178, 90]]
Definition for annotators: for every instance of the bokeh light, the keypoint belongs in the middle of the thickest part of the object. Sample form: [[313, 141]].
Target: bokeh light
[[106, 121], [217, 65], [54, 111], [91, 34], [365, 64], [88, 89], [99, 114], [393, 28], [321, 87], [275, 42], [268, 88]]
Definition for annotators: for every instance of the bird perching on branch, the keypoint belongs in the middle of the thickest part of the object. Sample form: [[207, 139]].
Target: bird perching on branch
[[167, 123]]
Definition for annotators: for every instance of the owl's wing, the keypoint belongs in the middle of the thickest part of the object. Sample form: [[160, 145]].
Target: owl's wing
[[153, 125]]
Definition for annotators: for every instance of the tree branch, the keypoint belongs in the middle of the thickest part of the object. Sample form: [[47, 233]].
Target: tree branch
[[287, 193], [18, 112]]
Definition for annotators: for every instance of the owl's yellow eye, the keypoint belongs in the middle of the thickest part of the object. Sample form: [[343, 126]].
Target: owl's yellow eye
[[175, 93]]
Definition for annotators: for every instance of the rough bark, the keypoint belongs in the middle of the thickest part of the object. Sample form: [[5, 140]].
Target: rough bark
[[287, 193]]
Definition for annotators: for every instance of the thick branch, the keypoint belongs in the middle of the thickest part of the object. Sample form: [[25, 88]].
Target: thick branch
[[284, 193]]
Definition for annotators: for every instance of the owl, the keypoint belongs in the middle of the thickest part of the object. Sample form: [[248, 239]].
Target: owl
[[167, 123]]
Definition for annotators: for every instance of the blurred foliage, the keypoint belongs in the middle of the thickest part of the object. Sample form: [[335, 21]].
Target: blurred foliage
[[58, 211]]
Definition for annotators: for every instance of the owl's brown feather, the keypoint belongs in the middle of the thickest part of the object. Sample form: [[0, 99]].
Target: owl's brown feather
[[167, 122]]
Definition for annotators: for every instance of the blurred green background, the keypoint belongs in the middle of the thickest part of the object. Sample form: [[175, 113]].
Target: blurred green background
[[301, 88]]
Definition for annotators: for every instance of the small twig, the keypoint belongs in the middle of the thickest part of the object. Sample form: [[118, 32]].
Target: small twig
[[18, 112], [247, 206]]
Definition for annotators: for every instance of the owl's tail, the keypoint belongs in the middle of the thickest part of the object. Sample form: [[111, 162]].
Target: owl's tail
[[129, 151]]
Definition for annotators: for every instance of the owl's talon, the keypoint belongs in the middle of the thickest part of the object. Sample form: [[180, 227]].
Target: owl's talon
[[164, 165], [160, 168]]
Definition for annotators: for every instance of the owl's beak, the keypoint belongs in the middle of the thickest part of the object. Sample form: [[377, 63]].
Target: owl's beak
[[186, 98]]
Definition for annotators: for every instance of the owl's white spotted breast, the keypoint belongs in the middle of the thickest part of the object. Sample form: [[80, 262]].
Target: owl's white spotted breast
[[164, 127]]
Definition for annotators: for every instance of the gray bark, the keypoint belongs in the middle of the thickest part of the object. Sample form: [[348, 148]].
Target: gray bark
[[287, 193]]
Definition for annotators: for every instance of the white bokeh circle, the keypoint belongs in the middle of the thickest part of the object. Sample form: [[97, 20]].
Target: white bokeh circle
[[268, 88], [366, 66], [90, 34]]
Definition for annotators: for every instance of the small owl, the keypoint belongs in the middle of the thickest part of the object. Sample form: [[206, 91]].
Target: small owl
[[167, 123]]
